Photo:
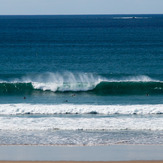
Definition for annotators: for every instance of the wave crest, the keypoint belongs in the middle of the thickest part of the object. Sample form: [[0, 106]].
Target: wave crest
[[66, 81], [86, 82]]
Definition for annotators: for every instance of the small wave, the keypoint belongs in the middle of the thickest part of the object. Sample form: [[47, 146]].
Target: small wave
[[132, 17]]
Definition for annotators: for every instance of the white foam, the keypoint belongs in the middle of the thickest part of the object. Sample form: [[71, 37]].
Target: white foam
[[80, 82], [15, 109], [127, 17], [139, 78], [113, 122], [92, 124], [66, 81]]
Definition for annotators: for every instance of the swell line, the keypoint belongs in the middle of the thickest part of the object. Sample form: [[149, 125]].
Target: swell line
[[102, 88]]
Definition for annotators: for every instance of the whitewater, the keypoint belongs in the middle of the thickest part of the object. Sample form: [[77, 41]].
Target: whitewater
[[81, 80], [44, 109], [78, 103], [81, 117]]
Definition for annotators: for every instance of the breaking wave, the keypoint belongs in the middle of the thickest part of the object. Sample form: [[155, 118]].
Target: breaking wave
[[132, 17], [44, 109], [82, 82], [51, 117]]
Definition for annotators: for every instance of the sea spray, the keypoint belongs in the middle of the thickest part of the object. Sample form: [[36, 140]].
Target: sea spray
[[85, 82], [67, 81]]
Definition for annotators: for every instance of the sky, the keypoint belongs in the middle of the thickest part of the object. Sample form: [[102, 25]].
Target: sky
[[71, 7]]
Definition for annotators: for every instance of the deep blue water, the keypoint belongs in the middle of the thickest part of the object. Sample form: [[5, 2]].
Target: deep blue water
[[107, 45], [115, 47], [90, 60]]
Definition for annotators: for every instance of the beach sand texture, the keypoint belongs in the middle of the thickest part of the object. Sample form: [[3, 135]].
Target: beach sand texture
[[81, 161]]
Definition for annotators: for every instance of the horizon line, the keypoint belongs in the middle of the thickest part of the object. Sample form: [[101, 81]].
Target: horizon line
[[74, 14]]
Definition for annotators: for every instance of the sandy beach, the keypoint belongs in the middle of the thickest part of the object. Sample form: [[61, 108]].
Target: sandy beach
[[81, 161], [146, 153]]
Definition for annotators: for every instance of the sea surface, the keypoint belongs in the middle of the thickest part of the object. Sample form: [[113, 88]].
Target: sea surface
[[81, 80]]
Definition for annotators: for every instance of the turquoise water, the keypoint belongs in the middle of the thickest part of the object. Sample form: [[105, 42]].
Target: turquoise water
[[89, 80]]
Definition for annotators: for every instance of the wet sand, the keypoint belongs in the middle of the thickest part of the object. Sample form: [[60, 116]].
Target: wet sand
[[81, 162], [146, 153]]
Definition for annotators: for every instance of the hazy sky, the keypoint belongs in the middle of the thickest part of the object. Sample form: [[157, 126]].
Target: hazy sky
[[50, 7]]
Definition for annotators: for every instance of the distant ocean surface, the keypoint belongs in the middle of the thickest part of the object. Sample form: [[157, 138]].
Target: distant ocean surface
[[81, 80]]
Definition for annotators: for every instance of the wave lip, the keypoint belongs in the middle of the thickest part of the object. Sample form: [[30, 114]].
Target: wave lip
[[67, 81]]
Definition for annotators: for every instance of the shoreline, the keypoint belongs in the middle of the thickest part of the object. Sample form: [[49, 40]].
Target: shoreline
[[81, 153], [81, 161], [82, 145]]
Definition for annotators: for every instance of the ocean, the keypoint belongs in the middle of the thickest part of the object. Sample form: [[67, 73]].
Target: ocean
[[81, 80]]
